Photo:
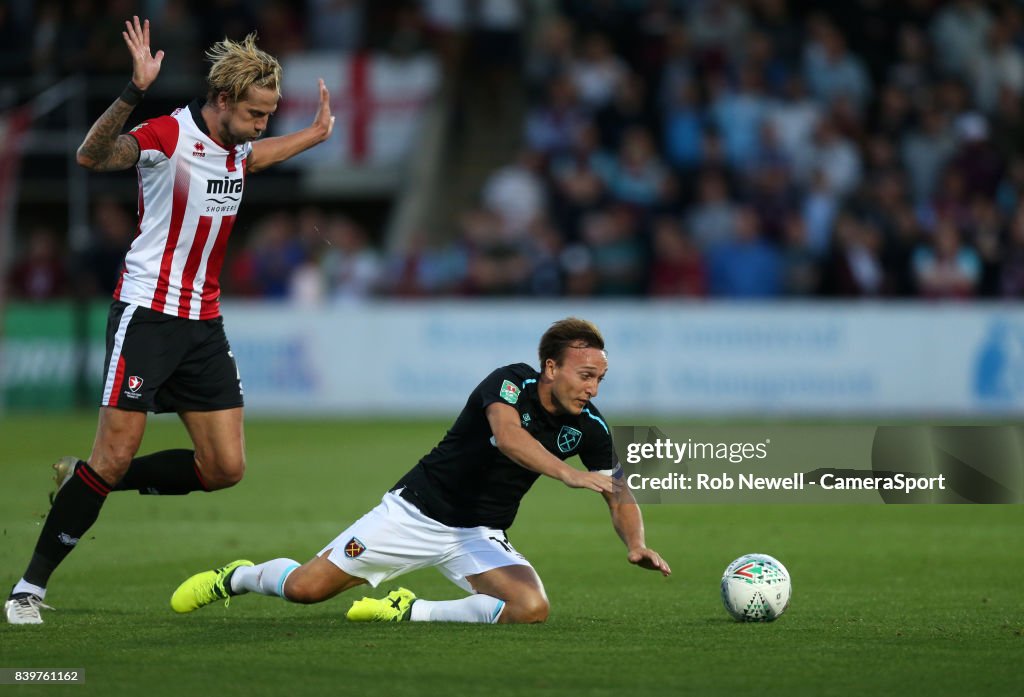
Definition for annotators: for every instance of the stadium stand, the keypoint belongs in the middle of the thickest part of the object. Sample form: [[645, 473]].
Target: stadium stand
[[686, 148]]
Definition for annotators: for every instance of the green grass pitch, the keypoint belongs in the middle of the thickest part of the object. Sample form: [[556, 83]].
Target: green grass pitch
[[886, 600]]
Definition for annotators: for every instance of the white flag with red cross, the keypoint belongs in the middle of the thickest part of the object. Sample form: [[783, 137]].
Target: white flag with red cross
[[378, 101]]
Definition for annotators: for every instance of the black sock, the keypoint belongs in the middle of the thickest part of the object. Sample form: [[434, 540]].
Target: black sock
[[75, 509], [164, 473]]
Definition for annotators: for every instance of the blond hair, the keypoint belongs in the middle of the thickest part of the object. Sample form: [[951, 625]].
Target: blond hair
[[239, 65]]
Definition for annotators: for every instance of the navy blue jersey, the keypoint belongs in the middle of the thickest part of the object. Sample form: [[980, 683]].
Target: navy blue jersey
[[465, 481]]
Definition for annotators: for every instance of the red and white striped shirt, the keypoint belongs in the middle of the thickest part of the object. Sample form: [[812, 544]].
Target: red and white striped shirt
[[190, 188]]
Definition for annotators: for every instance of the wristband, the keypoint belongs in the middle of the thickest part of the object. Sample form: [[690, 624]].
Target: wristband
[[131, 94]]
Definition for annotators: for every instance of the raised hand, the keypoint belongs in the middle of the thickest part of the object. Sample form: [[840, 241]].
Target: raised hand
[[145, 66], [324, 120]]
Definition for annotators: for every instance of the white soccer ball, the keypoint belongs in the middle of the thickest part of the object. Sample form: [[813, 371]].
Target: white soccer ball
[[756, 588]]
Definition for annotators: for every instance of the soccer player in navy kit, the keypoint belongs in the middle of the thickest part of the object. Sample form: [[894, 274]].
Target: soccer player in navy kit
[[452, 509], [166, 346]]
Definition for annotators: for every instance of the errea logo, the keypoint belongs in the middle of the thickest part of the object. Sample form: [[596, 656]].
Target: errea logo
[[198, 150]]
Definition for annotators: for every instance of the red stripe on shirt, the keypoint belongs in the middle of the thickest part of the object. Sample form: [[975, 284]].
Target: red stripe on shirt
[[180, 201], [120, 280], [160, 134], [210, 306], [195, 256], [138, 231]]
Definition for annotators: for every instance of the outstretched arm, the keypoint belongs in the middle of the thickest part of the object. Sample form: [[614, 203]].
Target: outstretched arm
[[526, 451], [629, 525], [104, 147], [270, 151]]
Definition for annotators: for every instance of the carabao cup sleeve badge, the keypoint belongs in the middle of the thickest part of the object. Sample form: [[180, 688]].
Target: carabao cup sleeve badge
[[509, 392]]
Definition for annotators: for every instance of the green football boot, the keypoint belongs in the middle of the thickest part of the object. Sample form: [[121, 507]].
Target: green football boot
[[205, 587], [393, 607]]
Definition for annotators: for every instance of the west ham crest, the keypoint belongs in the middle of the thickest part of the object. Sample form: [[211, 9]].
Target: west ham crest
[[353, 548], [568, 439]]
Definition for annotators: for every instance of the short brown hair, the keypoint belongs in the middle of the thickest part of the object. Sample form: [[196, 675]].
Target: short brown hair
[[570, 332], [238, 65]]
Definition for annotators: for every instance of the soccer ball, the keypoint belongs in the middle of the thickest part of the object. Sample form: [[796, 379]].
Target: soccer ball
[[756, 588]]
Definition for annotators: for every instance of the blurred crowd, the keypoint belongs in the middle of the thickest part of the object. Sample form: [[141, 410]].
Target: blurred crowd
[[702, 148], [764, 149], [46, 39]]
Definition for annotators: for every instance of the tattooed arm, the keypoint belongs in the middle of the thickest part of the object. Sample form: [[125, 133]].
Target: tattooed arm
[[104, 148]]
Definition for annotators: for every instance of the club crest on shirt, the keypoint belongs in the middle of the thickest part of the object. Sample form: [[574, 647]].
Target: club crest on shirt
[[353, 548], [568, 439], [509, 392]]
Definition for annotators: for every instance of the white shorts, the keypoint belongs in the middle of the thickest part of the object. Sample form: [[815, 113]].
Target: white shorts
[[396, 537]]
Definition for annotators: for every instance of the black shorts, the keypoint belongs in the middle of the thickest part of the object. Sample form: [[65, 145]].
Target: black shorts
[[161, 363]]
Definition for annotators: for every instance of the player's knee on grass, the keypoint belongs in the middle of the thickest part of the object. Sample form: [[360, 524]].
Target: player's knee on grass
[[305, 589], [527, 608]]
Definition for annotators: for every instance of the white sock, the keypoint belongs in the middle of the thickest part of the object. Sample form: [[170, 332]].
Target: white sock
[[484, 609], [24, 586], [267, 578]]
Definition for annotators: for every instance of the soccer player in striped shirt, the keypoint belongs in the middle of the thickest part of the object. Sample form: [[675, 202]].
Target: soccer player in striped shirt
[[166, 346]]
